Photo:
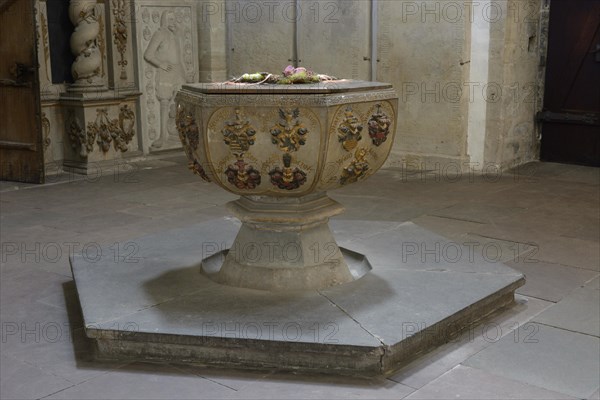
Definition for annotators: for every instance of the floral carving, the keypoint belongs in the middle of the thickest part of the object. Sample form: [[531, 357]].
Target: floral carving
[[242, 175], [45, 42], [197, 169], [117, 131], [349, 131], [357, 169], [289, 134], [46, 130], [287, 178], [238, 134], [80, 139], [189, 134], [120, 34], [379, 126], [101, 43]]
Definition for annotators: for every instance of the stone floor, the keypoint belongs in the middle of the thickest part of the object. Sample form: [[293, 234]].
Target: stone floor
[[542, 219]]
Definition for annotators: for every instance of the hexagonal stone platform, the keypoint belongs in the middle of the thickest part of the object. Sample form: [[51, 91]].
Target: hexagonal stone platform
[[147, 300]]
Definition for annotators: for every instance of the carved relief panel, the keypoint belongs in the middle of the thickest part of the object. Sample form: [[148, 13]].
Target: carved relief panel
[[120, 37], [360, 144], [167, 58], [43, 50], [267, 149]]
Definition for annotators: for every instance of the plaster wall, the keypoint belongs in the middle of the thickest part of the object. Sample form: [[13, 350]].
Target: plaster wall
[[513, 93], [423, 48]]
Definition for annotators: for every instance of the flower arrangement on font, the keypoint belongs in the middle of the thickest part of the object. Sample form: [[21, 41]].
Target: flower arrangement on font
[[289, 76]]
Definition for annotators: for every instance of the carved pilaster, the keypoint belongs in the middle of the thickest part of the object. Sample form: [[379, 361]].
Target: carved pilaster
[[120, 34]]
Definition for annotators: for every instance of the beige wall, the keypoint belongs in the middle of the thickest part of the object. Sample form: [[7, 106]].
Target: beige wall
[[421, 48], [511, 135]]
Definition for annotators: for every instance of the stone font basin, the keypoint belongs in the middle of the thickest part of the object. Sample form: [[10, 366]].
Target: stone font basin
[[281, 147]]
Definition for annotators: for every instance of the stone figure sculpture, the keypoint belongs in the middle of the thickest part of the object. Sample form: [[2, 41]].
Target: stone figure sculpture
[[164, 53]]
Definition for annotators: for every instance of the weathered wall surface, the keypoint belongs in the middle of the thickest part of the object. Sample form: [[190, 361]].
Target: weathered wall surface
[[423, 50], [511, 135], [334, 38]]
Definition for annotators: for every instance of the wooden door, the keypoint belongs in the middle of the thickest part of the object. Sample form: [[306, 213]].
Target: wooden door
[[571, 114], [21, 149]]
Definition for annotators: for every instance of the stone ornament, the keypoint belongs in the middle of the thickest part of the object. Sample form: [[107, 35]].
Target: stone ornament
[[379, 126], [287, 178], [239, 134], [80, 140], [357, 168], [349, 131], [118, 131], [45, 43], [46, 131], [348, 122], [188, 129], [190, 138], [120, 34], [289, 133], [243, 176], [197, 169]]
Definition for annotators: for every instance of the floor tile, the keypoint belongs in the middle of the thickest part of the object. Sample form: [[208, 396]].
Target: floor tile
[[489, 331], [230, 378], [547, 357], [145, 381], [473, 212], [19, 380], [552, 248], [470, 383], [549, 281], [451, 228], [289, 387], [578, 312]]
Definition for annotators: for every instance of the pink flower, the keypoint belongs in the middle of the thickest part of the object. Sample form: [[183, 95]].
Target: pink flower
[[289, 70]]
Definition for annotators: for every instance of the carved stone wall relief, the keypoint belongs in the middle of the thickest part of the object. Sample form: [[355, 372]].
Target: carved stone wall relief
[[120, 34], [80, 141], [104, 131], [45, 44], [167, 59], [43, 50], [117, 131], [46, 131]]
